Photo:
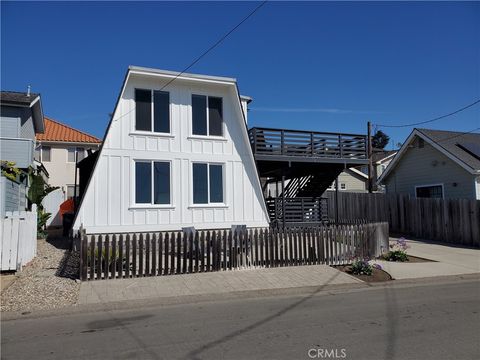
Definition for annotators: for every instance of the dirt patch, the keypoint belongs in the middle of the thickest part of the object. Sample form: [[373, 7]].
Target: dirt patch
[[411, 259], [377, 275], [47, 282]]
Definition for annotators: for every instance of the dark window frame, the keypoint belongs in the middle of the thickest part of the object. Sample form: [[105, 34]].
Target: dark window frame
[[152, 112], [209, 193], [431, 189], [153, 189], [207, 116]]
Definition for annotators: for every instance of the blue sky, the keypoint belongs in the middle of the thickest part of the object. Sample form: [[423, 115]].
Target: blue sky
[[316, 65]]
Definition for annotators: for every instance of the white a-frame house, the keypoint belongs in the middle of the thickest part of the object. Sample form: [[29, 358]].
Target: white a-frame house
[[174, 156]]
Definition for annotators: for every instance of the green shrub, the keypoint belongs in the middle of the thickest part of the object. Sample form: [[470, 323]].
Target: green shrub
[[396, 255], [361, 267]]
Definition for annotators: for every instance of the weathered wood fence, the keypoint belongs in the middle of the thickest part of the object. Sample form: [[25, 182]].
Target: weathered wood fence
[[452, 220], [167, 253], [18, 242]]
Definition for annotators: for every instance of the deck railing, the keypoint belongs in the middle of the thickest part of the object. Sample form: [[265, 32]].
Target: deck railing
[[280, 142], [297, 210]]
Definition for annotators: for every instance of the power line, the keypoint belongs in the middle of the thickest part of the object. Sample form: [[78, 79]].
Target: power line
[[218, 42], [457, 135], [431, 120]]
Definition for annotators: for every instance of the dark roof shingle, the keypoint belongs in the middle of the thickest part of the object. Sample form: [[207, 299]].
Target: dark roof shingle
[[449, 141], [17, 98]]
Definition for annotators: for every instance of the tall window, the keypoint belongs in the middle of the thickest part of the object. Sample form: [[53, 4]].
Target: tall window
[[207, 115], [152, 182], [78, 152], [207, 183], [433, 191], [152, 111], [43, 153]]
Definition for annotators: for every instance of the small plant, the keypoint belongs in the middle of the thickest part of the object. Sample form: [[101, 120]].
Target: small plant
[[361, 267], [42, 217], [9, 170], [398, 251]]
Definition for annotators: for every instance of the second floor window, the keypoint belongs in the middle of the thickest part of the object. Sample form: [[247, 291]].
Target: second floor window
[[207, 115], [43, 153], [152, 111], [75, 154]]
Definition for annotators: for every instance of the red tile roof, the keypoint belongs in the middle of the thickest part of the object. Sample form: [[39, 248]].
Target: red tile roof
[[55, 131]]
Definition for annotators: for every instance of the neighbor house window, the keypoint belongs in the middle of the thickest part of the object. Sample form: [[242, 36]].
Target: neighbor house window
[[207, 115], [207, 183], [152, 111], [431, 191], [152, 182], [78, 152], [46, 153], [343, 186], [71, 191]]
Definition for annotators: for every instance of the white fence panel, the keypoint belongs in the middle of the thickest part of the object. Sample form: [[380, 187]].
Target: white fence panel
[[19, 238], [51, 203]]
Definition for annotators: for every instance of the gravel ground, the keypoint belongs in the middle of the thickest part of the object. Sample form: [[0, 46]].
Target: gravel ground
[[48, 282]]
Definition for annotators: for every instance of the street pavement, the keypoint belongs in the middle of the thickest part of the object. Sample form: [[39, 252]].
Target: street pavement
[[398, 320]]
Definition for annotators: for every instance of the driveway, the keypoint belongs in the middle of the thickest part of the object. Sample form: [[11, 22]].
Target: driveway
[[448, 260]]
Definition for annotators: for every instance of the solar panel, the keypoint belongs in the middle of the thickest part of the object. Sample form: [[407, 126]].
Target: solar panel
[[470, 147]]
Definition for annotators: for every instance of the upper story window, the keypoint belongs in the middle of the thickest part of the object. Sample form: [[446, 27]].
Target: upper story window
[[78, 152], [152, 182], [43, 153], [207, 183], [207, 115], [152, 111]]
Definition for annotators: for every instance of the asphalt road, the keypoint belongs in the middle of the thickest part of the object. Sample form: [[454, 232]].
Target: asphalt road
[[435, 321]]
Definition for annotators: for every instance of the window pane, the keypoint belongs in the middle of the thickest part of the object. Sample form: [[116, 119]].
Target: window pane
[[199, 115], [161, 173], [429, 192], [70, 191], [143, 182], [200, 184], [143, 110], [71, 154], [161, 111], [46, 153], [215, 116], [80, 154], [37, 153], [216, 184]]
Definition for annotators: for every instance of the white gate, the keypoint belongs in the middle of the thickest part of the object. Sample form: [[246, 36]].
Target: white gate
[[18, 243], [51, 204]]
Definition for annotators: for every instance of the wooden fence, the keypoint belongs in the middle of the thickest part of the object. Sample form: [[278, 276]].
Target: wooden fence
[[18, 243], [451, 220], [167, 253]]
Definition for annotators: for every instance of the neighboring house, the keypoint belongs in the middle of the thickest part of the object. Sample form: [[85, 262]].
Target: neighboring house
[[21, 117], [380, 160], [174, 157], [352, 180], [59, 148], [436, 164]]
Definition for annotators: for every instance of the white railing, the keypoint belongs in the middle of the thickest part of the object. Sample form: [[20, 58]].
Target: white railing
[[18, 243]]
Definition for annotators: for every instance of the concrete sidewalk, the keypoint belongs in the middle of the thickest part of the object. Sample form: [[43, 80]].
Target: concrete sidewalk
[[448, 260], [94, 292]]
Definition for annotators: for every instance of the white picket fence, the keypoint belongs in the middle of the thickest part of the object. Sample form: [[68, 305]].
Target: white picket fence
[[18, 243]]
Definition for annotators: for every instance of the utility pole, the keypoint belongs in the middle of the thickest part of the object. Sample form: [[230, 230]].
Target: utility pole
[[369, 154]]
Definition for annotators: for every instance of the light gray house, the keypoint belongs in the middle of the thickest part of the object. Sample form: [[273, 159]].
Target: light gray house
[[436, 164], [21, 117]]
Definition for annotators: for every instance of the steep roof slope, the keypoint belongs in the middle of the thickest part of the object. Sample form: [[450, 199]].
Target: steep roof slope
[[56, 131]]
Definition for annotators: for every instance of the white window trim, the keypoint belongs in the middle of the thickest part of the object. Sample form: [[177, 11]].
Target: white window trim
[[209, 204], [134, 131], [430, 185], [343, 186], [208, 136], [75, 153], [133, 204]]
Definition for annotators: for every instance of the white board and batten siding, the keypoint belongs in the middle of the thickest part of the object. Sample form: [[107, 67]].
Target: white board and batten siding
[[109, 204], [18, 243]]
